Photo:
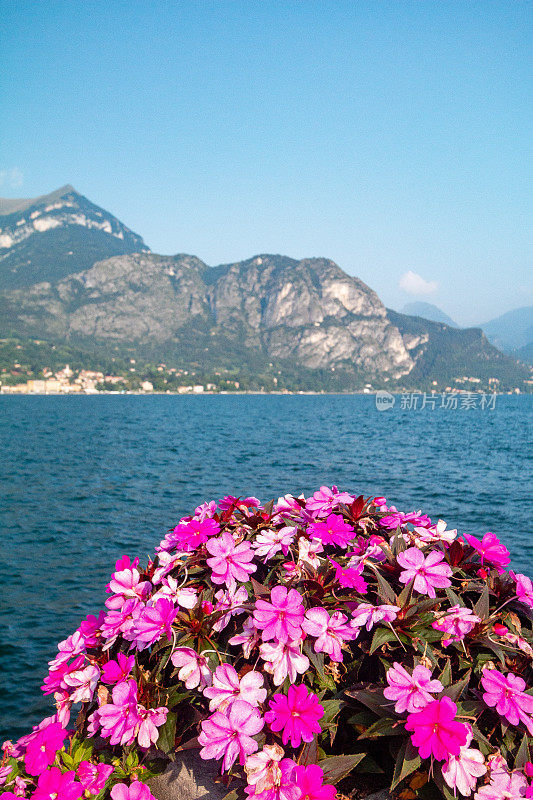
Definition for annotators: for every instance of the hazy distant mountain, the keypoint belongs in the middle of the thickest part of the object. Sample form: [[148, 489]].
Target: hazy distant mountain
[[428, 311], [512, 331], [47, 238]]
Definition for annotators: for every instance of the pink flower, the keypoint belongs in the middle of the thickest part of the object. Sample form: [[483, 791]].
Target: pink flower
[[230, 736], [93, 777], [330, 632], [283, 782], [227, 688], [90, 629], [249, 637], [269, 542], [369, 615], [462, 772], [524, 588], [436, 731], [119, 670], [310, 780], [326, 499], [456, 623], [127, 583], [4, 774], [333, 531], [435, 533], [54, 679], [194, 669], [295, 714], [350, 577], [53, 785], [119, 719], [491, 550], [135, 791], [150, 720], [190, 535], [411, 692], [504, 786], [283, 659], [395, 518], [262, 769], [506, 694], [42, 748], [119, 621], [428, 573], [238, 502], [281, 618], [83, 681], [231, 602], [230, 562], [152, 623], [72, 646]]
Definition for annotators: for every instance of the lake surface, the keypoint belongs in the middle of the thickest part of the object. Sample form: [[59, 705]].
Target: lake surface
[[84, 480]]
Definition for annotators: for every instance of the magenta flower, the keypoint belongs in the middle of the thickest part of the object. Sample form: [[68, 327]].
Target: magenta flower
[[506, 694], [333, 531], [428, 573], [93, 777], [119, 719], [187, 536], [295, 714], [411, 692], [228, 688], [282, 618], [238, 502], [230, 562], [462, 772], [350, 577], [90, 629], [152, 623], [194, 671], [127, 583], [330, 632], [135, 791], [119, 670], [435, 731], [42, 748], [310, 780], [230, 736], [283, 659], [54, 785], [54, 680], [83, 682], [524, 588], [284, 787], [491, 550], [456, 623], [326, 499]]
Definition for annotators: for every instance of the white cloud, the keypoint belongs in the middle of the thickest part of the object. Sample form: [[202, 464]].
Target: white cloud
[[12, 178], [415, 284]]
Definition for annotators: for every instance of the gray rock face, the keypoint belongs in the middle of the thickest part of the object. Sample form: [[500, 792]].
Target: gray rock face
[[309, 310], [189, 778]]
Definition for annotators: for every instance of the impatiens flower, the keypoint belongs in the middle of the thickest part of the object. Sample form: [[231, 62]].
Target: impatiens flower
[[238, 502], [411, 692], [54, 785], [350, 577], [194, 671], [491, 550], [282, 618], [284, 788], [330, 632], [326, 499], [229, 736], [227, 688], [152, 623], [135, 791], [190, 535], [333, 531], [262, 768], [90, 629], [506, 694], [435, 731], [395, 518], [93, 776], [83, 682], [186, 597], [127, 582], [308, 550], [5, 771], [42, 749], [524, 588], [456, 623], [231, 602], [248, 638], [54, 680], [150, 719], [72, 646], [230, 562], [269, 542], [284, 659], [119, 670], [368, 615], [428, 573], [295, 714], [119, 719], [504, 785], [310, 780], [462, 772], [435, 533]]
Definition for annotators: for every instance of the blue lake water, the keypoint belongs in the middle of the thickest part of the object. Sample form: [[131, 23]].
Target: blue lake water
[[84, 480]]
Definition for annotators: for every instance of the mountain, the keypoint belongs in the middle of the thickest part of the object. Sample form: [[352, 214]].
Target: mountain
[[428, 311], [49, 237], [512, 332]]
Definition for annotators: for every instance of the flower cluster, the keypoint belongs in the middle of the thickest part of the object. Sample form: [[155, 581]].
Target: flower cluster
[[296, 644]]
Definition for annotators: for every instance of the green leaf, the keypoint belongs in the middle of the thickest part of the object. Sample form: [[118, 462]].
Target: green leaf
[[523, 753], [455, 691], [446, 674], [329, 721], [482, 606], [167, 734], [407, 761], [338, 767], [386, 592], [233, 795], [383, 727], [452, 597], [309, 753], [381, 637]]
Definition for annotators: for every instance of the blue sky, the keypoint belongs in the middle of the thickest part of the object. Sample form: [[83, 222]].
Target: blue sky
[[394, 137]]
